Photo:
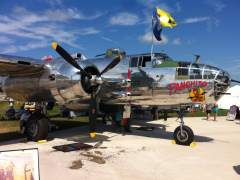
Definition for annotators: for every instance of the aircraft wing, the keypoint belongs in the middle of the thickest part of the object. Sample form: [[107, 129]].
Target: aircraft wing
[[19, 66]]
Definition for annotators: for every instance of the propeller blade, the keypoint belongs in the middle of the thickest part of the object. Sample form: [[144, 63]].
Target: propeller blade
[[68, 58], [235, 81], [114, 62]]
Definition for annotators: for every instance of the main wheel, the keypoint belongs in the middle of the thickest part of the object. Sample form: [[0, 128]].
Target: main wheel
[[184, 138], [37, 127]]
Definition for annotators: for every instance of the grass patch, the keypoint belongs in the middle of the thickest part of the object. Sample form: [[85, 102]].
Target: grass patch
[[9, 130], [55, 112], [9, 126], [4, 106]]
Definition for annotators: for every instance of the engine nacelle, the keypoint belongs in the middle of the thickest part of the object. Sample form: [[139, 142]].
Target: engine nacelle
[[26, 89], [66, 89]]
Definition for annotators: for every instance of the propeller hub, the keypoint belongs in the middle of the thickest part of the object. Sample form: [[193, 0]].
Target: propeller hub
[[98, 80]]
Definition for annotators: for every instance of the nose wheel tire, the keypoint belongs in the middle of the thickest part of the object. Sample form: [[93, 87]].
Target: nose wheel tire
[[185, 137]]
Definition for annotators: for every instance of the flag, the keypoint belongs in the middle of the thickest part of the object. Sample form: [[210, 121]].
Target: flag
[[165, 18], [156, 26], [160, 20]]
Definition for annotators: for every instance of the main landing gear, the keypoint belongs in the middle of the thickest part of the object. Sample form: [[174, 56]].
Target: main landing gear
[[34, 124], [183, 135], [93, 114]]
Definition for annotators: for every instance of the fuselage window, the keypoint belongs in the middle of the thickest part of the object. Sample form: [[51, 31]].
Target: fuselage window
[[196, 71], [195, 74], [134, 62], [146, 61], [182, 71]]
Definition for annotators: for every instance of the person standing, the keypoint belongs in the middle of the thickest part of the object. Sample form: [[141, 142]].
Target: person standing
[[208, 111], [215, 111], [127, 118]]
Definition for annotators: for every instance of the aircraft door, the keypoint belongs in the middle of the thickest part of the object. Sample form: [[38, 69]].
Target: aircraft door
[[162, 78], [141, 82], [135, 75], [149, 78]]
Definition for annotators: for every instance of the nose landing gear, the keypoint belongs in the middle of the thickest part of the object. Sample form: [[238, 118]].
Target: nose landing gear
[[183, 135]]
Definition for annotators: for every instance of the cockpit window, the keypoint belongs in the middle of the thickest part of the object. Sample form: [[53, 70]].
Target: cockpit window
[[210, 72], [223, 76]]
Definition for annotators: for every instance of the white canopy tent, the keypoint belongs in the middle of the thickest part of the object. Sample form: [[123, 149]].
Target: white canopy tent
[[233, 98]]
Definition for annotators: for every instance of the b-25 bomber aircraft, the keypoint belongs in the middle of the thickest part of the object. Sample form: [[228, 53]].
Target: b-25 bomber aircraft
[[109, 82]]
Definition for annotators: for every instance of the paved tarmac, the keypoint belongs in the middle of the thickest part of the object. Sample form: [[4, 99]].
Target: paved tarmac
[[143, 154]]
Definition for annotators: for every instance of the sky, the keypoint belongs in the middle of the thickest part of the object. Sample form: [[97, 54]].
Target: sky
[[207, 27]]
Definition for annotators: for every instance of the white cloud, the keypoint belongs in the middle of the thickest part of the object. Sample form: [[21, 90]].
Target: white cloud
[[88, 31], [177, 41], [53, 15], [9, 49], [66, 14], [218, 5], [211, 22], [196, 20], [106, 39], [109, 40], [147, 39], [44, 27], [26, 47], [124, 19], [5, 40]]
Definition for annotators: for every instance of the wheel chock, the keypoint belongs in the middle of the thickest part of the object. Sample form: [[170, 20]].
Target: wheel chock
[[193, 144], [173, 142], [93, 134], [41, 141]]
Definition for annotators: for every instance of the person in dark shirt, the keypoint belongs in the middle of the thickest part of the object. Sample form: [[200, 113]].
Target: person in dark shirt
[[208, 111]]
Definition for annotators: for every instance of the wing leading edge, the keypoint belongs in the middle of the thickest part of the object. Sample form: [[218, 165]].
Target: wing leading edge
[[20, 66]]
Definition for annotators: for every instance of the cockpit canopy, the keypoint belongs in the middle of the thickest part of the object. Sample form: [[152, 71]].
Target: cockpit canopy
[[156, 60], [186, 70]]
